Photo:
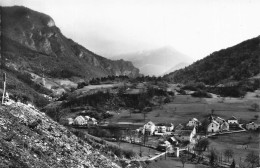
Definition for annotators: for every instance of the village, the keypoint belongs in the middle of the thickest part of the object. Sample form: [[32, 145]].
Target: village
[[176, 124]]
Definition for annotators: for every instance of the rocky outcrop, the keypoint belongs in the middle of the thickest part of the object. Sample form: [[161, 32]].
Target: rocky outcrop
[[33, 37], [28, 138]]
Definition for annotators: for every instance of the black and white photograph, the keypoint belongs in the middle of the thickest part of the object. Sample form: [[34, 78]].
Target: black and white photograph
[[129, 84]]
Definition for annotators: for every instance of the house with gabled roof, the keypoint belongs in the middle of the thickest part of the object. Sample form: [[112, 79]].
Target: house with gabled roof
[[213, 126], [232, 120]]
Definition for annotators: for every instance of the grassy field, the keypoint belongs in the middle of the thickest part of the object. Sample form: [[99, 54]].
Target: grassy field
[[185, 107], [240, 143]]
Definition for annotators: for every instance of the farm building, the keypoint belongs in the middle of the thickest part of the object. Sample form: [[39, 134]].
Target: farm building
[[232, 120], [149, 128], [213, 126], [252, 126]]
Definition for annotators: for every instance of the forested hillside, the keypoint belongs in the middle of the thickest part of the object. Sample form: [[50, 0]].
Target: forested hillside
[[232, 64]]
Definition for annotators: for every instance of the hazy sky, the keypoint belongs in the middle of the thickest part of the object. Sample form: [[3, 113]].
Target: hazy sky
[[193, 27]]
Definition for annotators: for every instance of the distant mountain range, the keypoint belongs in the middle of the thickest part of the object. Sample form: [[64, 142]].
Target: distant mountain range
[[155, 62], [236, 63]]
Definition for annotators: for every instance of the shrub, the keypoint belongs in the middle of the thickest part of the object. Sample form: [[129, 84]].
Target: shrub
[[129, 154], [201, 93]]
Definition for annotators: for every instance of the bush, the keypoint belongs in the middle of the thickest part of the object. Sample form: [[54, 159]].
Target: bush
[[129, 154], [201, 93]]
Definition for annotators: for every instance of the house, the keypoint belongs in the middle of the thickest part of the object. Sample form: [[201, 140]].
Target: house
[[213, 126], [92, 121], [149, 128], [193, 122], [232, 120], [69, 121], [252, 126], [163, 145], [86, 118], [169, 127], [185, 135], [79, 120], [224, 126], [163, 127]]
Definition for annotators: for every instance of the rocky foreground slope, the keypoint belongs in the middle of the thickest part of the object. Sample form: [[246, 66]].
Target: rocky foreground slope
[[28, 138]]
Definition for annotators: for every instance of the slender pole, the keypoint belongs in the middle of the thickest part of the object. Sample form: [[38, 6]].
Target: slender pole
[[4, 79]]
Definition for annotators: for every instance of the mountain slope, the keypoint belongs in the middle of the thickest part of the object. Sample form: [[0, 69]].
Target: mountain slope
[[28, 138], [155, 62], [177, 67], [31, 40], [232, 64]]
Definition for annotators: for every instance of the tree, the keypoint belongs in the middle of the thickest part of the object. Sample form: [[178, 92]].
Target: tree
[[183, 159], [233, 164], [252, 158], [203, 144], [256, 117], [255, 106], [228, 153]]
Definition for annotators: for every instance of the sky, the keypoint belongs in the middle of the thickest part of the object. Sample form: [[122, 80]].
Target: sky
[[112, 27]]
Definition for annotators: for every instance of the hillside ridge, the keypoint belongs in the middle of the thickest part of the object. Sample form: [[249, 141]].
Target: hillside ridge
[[236, 63]]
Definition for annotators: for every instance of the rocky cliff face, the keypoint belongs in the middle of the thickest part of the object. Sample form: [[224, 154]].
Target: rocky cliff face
[[32, 41], [28, 138]]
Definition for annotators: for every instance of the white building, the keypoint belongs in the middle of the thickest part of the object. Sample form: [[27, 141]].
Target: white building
[[232, 120], [149, 128], [213, 126]]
